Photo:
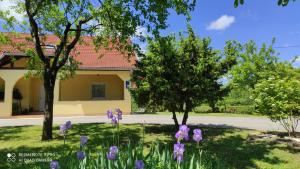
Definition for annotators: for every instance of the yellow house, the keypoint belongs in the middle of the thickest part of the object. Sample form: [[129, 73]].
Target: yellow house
[[101, 81]]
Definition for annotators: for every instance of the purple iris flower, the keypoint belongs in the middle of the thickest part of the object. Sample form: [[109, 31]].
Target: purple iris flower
[[109, 114], [80, 155], [178, 151], [63, 129], [119, 113], [197, 135], [114, 120], [68, 125], [139, 164], [183, 133], [184, 128], [112, 154], [83, 140], [54, 165]]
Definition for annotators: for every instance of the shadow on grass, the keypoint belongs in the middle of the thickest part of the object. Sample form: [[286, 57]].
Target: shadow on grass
[[236, 152], [8, 133], [228, 145], [100, 135], [233, 150]]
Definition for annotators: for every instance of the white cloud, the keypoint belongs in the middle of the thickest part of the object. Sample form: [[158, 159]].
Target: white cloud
[[221, 23], [8, 5]]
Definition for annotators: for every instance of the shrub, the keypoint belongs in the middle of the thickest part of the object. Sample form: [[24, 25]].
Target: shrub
[[279, 99]]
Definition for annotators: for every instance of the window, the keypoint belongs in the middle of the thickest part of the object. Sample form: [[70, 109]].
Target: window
[[98, 91]]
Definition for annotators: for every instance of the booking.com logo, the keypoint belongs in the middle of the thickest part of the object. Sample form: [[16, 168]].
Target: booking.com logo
[[11, 157]]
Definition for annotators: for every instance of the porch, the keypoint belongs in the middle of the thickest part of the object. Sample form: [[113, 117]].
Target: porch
[[87, 93]]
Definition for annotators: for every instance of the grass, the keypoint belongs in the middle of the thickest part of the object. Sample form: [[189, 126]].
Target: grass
[[204, 110], [228, 145], [209, 114]]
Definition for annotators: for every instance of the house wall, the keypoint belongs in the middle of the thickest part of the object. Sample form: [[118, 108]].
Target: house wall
[[79, 87], [35, 87], [95, 107], [10, 77], [64, 108]]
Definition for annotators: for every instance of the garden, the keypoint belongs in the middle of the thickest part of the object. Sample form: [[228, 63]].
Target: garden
[[115, 145]]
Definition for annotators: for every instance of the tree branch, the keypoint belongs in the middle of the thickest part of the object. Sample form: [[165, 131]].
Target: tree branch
[[40, 3], [61, 45], [87, 29], [35, 33], [73, 43]]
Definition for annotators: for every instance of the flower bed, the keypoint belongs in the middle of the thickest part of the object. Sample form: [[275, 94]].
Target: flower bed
[[115, 156]]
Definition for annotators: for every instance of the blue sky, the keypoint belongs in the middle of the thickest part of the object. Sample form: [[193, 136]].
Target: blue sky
[[258, 20]]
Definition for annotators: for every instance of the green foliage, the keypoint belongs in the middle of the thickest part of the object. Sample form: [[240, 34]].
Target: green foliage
[[253, 64], [278, 97], [110, 23], [279, 2], [159, 157], [238, 96], [180, 75], [35, 67]]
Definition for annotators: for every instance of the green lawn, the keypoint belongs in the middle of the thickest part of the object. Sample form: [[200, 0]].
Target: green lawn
[[210, 114], [230, 146], [204, 110]]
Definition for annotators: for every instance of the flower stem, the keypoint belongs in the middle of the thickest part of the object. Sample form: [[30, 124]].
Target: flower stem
[[178, 164], [118, 132]]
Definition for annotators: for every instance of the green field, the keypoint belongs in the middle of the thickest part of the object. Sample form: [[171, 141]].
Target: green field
[[208, 114], [204, 110], [230, 146]]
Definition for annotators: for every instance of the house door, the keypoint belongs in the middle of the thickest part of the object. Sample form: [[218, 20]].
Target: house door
[[42, 98]]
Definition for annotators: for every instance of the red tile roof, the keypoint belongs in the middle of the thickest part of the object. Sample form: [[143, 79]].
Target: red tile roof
[[83, 52]]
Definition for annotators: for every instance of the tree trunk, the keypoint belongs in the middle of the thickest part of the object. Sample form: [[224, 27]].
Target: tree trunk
[[185, 117], [175, 120], [49, 83]]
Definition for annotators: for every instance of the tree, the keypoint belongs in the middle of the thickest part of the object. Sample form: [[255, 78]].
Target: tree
[[279, 2], [216, 92], [109, 22], [176, 75], [253, 64], [278, 97]]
